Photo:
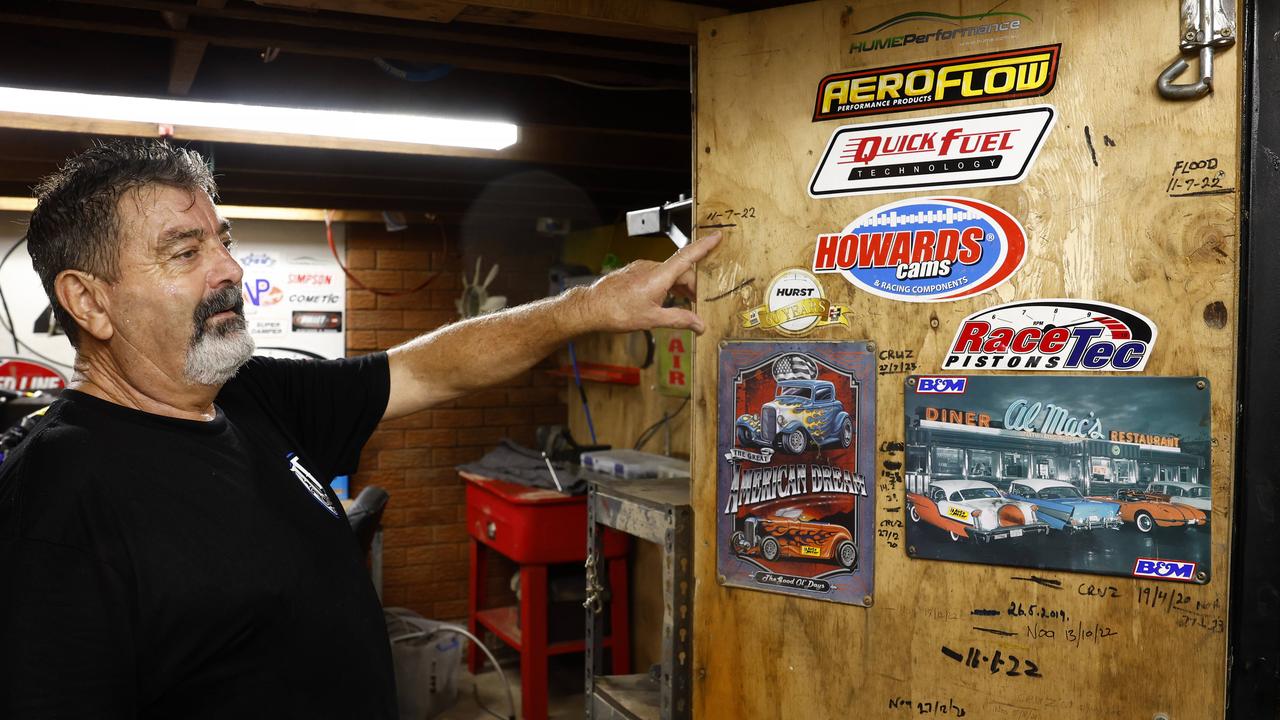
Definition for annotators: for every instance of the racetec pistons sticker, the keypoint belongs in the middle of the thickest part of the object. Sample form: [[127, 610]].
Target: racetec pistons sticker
[[993, 147], [794, 305], [1069, 335], [926, 249], [967, 80]]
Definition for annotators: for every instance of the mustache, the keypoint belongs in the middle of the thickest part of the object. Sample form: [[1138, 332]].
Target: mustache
[[221, 300]]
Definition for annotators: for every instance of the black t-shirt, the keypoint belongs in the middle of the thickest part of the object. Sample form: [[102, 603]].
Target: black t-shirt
[[152, 567]]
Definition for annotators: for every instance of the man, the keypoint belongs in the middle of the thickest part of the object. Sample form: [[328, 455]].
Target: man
[[168, 545]]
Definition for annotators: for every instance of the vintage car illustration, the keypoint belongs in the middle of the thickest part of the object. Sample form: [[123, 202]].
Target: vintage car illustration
[[1184, 493], [1060, 505], [786, 535], [974, 510], [803, 412], [1149, 510]]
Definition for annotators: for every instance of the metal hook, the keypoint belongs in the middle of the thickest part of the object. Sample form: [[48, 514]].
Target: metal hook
[[1187, 91], [1206, 25]]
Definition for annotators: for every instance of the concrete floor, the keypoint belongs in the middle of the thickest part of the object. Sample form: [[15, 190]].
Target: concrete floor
[[565, 699]]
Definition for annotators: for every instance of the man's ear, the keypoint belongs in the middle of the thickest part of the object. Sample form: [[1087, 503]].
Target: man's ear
[[84, 298]]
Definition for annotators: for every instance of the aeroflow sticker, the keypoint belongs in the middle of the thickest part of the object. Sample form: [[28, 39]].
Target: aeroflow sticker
[[965, 149], [989, 77], [1067, 335], [926, 249]]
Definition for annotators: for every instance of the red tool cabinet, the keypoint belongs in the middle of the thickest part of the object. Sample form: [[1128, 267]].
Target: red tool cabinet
[[536, 528]]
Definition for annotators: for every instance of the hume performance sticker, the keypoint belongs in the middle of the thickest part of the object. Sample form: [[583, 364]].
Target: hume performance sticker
[[925, 249], [1107, 475], [994, 147], [795, 304], [967, 80], [796, 442], [1058, 334]]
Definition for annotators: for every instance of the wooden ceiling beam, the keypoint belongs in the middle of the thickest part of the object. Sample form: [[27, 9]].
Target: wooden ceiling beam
[[187, 54], [661, 21], [634, 52], [461, 56]]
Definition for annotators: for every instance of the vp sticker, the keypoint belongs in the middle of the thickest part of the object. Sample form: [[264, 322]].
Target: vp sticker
[[926, 249], [795, 304], [1069, 335], [964, 149]]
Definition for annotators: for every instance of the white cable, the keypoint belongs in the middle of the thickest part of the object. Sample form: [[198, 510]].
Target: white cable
[[446, 627]]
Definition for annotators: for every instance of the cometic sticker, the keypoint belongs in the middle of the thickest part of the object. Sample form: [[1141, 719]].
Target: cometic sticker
[[1058, 334], [795, 304], [965, 149], [925, 249], [966, 80]]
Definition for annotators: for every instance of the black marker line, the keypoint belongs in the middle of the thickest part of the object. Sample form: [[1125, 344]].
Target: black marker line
[[1088, 138], [893, 509], [718, 225], [1004, 633], [1223, 191], [980, 611], [732, 290], [952, 654], [1047, 582]]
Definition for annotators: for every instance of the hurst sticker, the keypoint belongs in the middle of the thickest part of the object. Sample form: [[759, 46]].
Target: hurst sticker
[[994, 147], [796, 443], [795, 305], [967, 80], [925, 249], [1070, 335]]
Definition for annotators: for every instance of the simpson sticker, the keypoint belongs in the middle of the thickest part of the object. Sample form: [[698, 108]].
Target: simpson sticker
[[1060, 334], [960, 150], [796, 438], [966, 80], [795, 305], [925, 249]]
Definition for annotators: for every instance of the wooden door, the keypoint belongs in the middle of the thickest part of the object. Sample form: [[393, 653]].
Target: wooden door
[[1108, 218]]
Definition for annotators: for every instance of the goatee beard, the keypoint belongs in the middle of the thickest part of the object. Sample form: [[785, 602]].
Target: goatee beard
[[216, 353]]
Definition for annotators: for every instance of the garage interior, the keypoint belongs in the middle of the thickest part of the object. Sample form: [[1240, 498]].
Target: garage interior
[[625, 110]]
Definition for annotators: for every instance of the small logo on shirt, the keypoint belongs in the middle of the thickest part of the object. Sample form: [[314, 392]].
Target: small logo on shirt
[[309, 481]]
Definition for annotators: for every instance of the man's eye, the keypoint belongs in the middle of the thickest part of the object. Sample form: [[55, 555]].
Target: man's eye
[[228, 243], [186, 254]]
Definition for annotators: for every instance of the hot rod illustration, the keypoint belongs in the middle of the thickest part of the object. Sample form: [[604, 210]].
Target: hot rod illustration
[[803, 412], [1149, 510], [974, 510], [785, 535]]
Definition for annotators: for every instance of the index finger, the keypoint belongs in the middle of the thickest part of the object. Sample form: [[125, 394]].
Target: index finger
[[677, 264]]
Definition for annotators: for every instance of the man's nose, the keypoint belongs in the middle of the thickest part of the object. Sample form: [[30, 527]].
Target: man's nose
[[225, 269]]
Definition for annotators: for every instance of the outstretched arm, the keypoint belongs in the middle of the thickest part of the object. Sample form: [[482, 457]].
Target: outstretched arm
[[476, 353]]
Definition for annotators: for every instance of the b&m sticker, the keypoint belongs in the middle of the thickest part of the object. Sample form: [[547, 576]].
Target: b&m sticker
[[937, 249]]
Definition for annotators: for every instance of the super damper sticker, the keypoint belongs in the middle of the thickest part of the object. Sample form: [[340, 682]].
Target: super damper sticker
[[936, 249]]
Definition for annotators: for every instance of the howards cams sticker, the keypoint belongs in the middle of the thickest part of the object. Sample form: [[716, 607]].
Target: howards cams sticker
[[1058, 334], [795, 304], [935, 249], [960, 150]]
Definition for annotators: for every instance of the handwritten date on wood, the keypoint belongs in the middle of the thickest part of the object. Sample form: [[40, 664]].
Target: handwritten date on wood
[[995, 662]]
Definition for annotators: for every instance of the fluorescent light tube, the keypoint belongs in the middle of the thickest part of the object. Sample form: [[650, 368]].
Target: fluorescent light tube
[[386, 127]]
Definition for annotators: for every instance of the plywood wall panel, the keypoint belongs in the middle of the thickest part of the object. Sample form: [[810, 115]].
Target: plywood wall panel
[[1101, 225]]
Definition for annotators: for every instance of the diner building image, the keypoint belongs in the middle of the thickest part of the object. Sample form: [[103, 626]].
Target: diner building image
[[950, 437]]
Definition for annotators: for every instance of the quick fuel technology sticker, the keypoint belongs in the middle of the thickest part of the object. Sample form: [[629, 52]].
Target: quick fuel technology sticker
[[994, 147], [1070, 335], [966, 80], [925, 249]]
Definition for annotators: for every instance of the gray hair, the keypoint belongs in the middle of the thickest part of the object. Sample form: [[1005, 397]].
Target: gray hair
[[76, 223]]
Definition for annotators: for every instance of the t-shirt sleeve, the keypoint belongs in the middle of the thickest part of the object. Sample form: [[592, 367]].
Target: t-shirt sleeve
[[330, 406], [66, 641]]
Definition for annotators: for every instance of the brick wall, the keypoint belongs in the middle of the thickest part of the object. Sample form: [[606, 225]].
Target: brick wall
[[425, 553]]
